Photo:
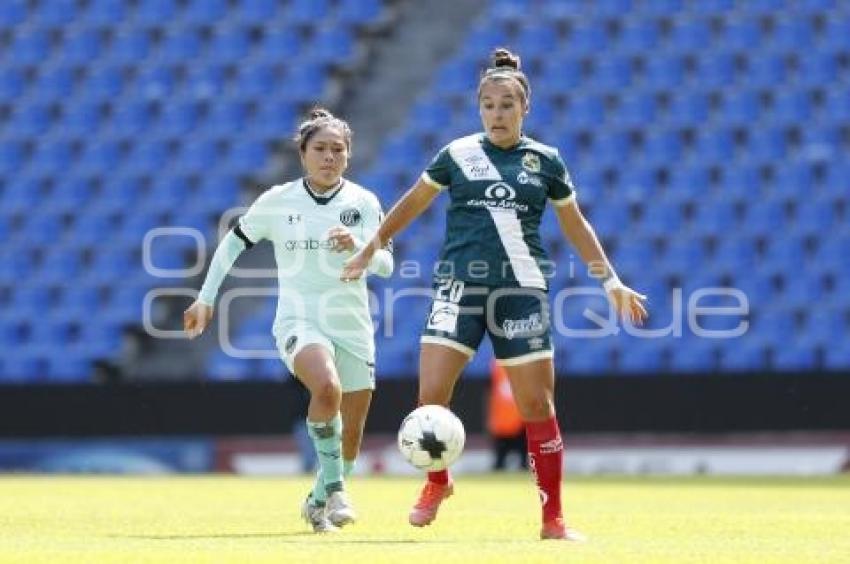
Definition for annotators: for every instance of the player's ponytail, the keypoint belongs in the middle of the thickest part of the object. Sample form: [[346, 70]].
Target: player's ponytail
[[505, 65], [319, 118]]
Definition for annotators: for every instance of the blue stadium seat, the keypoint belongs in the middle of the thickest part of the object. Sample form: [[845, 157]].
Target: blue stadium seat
[[585, 111], [642, 357], [740, 108], [145, 156], [742, 357], [794, 358], [660, 218], [129, 46], [715, 69], [638, 35], [741, 34], [635, 110], [257, 11], [23, 367], [817, 68], [274, 120], [105, 12], [13, 154], [331, 45], [179, 118], [99, 158], [53, 84], [81, 119], [587, 37], [204, 12], [247, 155], [180, 46], [664, 71], [837, 358], [790, 106], [765, 70], [689, 35], [358, 12], [12, 83], [612, 73], [155, 82], [689, 108], [130, 119], [766, 144], [155, 12], [28, 47], [281, 42], [52, 157], [256, 81], [715, 145], [307, 12], [205, 81], [792, 35], [30, 119], [69, 369], [695, 356], [537, 39], [81, 46], [835, 38], [661, 148], [13, 14]]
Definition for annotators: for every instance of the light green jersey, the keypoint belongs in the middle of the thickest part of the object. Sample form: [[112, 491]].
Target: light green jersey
[[297, 222]]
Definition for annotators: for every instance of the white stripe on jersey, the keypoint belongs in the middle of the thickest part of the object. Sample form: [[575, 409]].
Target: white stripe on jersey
[[470, 157], [526, 270]]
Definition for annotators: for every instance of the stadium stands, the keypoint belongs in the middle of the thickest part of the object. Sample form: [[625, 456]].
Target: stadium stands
[[117, 117], [708, 140]]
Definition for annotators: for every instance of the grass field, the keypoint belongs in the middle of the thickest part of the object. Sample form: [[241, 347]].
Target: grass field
[[490, 519]]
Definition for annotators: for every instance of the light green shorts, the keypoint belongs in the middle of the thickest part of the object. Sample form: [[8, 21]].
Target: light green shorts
[[355, 373]]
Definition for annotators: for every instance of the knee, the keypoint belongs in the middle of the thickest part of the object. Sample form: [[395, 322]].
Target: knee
[[328, 394], [536, 407]]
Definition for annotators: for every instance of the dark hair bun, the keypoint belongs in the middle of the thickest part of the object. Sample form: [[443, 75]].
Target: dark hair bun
[[503, 58], [320, 112]]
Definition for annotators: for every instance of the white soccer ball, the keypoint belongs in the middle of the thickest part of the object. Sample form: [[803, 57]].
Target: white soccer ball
[[431, 438]]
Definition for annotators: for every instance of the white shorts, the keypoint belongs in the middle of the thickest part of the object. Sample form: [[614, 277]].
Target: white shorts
[[355, 373]]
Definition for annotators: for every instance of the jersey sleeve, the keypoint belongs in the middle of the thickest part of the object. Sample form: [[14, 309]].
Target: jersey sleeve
[[255, 224], [561, 188], [438, 173]]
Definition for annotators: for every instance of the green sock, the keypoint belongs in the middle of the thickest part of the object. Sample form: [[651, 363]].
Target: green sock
[[348, 467], [327, 438], [319, 484]]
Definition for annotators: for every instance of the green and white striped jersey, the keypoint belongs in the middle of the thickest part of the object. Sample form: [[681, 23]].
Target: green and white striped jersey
[[497, 201]]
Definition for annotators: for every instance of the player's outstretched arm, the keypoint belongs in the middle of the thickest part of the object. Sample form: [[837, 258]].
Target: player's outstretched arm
[[627, 303], [415, 201], [198, 315]]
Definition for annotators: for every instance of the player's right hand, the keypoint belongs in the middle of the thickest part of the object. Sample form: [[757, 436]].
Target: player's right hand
[[196, 318]]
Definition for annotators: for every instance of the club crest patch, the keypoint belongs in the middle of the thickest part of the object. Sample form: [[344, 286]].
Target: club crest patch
[[531, 162], [350, 217], [290, 344]]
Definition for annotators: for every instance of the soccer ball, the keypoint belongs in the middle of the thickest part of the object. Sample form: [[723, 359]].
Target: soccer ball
[[431, 438]]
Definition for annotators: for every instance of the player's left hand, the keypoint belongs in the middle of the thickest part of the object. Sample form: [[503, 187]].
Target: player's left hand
[[341, 239], [628, 304]]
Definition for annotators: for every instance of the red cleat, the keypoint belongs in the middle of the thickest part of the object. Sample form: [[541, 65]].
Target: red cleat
[[555, 529], [430, 498]]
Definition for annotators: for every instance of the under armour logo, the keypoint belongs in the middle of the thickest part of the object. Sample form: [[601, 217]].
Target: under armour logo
[[294, 218]]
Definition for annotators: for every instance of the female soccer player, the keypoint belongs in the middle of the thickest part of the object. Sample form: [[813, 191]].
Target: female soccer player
[[323, 327], [490, 275]]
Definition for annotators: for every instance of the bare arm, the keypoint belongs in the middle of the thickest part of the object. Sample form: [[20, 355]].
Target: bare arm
[[581, 235], [411, 205]]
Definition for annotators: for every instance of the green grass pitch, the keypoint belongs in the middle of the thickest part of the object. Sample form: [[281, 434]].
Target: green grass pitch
[[490, 519]]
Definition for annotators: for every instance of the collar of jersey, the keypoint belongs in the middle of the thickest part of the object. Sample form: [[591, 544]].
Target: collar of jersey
[[321, 199], [490, 145]]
